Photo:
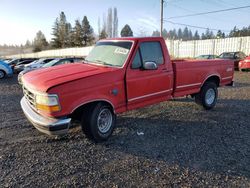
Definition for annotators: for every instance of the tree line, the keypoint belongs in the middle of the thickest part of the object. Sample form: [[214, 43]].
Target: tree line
[[82, 34], [186, 34]]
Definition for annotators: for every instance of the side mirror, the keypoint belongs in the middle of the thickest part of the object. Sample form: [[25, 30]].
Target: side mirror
[[150, 65]]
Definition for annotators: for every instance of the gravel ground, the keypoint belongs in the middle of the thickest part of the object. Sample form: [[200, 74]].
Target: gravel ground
[[182, 146]]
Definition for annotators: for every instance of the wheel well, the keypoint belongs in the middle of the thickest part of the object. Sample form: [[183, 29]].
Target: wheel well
[[77, 113], [214, 79]]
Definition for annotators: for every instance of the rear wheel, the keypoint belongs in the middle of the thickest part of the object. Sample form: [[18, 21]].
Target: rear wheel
[[98, 122], [207, 96], [2, 74]]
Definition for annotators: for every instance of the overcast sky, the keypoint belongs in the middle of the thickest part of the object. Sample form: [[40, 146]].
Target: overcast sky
[[21, 19]]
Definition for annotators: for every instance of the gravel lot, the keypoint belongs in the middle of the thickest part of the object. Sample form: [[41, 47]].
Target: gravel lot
[[182, 145]]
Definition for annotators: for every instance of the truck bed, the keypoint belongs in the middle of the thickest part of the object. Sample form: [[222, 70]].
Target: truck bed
[[191, 74]]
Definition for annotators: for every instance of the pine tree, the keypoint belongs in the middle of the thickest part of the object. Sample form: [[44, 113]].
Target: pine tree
[[196, 35], [179, 34], [40, 42], [68, 32], [219, 34], [103, 34], [185, 34], [126, 31], [77, 34], [61, 32], [88, 36], [156, 33], [190, 35], [55, 32]]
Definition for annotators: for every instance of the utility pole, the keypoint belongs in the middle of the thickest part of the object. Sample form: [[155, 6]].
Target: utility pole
[[162, 1]]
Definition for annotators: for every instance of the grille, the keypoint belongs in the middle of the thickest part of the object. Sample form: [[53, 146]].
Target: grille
[[30, 97]]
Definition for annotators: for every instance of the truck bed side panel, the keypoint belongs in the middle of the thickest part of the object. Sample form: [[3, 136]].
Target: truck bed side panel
[[190, 75]]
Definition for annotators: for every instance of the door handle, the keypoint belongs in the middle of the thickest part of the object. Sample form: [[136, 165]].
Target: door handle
[[164, 70]]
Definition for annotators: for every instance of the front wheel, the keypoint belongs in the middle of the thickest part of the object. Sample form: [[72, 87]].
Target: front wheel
[[2, 74], [208, 95], [98, 122]]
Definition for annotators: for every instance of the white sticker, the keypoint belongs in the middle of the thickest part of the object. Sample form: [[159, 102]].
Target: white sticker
[[121, 51]]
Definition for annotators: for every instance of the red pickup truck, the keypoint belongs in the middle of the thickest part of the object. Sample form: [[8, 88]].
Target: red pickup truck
[[118, 75]]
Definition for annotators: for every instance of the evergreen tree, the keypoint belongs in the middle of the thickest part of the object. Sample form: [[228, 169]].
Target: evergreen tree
[[203, 36], [88, 36], [234, 32], [126, 31], [219, 34], [55, 32], [179, 34], [68, 37], [103, 34], [164, 33], [77, 34], [196, 35], [185, 34], [156, 33], [40, 42], [61, 32], [190, 35]]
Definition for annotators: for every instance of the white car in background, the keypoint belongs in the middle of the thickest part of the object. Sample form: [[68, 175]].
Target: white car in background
[[54, 62], [38, 63]]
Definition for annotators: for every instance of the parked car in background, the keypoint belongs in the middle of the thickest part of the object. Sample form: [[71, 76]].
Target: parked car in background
[[209, 56], [14, 62], [5, 70], [7, 60], [20, 66], [235, 56], [58, 61], [244, 65], [38, 63]]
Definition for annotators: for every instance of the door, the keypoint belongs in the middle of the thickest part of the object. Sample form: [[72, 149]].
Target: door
[[146, 87]]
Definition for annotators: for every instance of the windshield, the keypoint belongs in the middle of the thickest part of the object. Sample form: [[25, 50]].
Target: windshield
[[13, 61], [227, 55], [51, 63], [203, 57], [111, 53]]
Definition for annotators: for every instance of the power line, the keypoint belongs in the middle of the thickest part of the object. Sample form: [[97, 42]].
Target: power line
[[198, 27], [210, 12]]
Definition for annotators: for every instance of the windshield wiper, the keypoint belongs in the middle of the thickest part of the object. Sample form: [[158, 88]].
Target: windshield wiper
[[103, 62]]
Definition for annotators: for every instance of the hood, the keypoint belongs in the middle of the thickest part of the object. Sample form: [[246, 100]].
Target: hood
[[43, 79]]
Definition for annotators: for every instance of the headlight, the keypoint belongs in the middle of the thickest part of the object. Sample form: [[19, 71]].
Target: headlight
[[48, 103]]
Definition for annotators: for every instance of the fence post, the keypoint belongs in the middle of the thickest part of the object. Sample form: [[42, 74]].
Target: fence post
[[240, 44], [213, 46], [194, 52]]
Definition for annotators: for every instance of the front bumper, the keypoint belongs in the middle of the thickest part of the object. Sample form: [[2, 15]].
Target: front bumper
[[50, 126]]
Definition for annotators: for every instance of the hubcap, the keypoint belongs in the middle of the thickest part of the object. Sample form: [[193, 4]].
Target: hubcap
[[210, 96], [1, 74], [104, 120]]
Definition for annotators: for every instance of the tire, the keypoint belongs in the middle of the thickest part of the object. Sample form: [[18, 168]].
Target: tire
[[2, 74], [98, 122], [208, 95]]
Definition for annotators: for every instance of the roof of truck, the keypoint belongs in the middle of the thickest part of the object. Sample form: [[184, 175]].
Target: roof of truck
[[133, 38]]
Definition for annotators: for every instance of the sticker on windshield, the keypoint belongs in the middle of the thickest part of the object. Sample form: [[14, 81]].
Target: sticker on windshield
[[121, 51]]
